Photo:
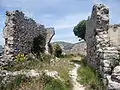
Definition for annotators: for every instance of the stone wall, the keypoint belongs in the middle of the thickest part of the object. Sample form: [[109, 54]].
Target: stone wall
[[114, 34], [50, 34], [101, 53], [22, 34], [96, 34]]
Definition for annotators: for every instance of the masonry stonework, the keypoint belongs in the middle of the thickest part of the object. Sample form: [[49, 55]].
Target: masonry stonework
[[96, 34], [101, 53], [22, 34], [114, 34], [50, 34]]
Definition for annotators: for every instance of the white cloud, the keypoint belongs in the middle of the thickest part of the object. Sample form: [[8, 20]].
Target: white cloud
[[69, 21], [28, 14], [29, 4], [47, 15], [98, 1], [71, 40]]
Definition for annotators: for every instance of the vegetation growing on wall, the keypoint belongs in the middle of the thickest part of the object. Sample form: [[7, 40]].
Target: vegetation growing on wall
[[38, 44], [45, 82], [21, 57]]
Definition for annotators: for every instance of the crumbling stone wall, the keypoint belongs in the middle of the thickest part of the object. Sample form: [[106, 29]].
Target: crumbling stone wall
[[22, 34], [114, 34], [101, 54], [50, 34], [96, 34]]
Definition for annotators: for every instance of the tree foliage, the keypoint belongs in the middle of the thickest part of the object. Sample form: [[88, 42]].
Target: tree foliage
[[38, 45], [80, 29], [57, 50]]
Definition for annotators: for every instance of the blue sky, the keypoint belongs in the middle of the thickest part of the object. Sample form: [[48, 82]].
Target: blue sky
[[63, 15]]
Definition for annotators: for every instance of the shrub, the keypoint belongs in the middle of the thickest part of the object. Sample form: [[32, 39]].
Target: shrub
[[38, 45], [80, 29], [45, 58], [21, 57], [67, 56], [57, 50]]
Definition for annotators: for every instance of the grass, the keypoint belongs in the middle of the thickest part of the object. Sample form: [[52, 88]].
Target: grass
[[13, 83], [44, 82], [29, 64], [62, 65], [56, 84], [88, 77]]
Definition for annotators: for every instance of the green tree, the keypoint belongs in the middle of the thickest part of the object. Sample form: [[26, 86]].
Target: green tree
[[80, 29], [57, 50]]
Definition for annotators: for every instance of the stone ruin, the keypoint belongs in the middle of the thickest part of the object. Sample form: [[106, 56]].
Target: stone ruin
[[50, 34], [103, 46], [24, 35], [114, 34]]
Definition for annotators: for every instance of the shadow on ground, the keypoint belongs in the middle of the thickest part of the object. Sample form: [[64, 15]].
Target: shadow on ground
[[76, 61]]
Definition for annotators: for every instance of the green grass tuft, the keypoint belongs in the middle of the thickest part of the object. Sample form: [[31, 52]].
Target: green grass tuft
[[55, 84], [90, 78]]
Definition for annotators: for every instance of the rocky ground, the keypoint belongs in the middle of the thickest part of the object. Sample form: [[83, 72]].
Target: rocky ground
[[63, 69], [73, 75]]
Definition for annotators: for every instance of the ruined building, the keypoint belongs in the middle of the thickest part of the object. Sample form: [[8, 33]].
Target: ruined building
[[114, 34], [103, 42], [23, 34], [50, 34]]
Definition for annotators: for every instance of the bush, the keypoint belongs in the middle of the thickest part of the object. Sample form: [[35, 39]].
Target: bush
[[80, 29], [67, 56], [57, 50], [21, 57], [45, 58], [23, 62], [38, 45]]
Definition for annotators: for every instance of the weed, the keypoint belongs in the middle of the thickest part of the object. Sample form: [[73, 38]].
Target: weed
[[89, 77]]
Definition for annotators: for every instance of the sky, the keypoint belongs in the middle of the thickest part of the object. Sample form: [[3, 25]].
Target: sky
[[63, 15]]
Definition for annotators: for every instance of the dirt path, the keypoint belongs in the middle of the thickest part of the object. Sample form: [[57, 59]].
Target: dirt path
[[73, 75]]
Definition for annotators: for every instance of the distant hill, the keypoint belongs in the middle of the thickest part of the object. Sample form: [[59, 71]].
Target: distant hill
[[75, 48], [64, 45]]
